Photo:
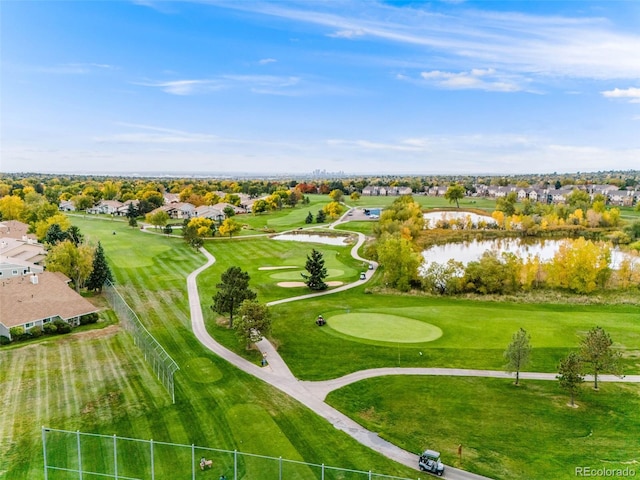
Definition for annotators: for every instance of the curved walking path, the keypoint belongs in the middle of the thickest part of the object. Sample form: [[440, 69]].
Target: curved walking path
[[313, 394]]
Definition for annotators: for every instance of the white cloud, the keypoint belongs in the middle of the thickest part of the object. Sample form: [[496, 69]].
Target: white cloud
[[148, 134], [633, 94], [347, 33], [185, 87], [266, 84], [266, 61], [70, 68], [479, 79], [541, 45]]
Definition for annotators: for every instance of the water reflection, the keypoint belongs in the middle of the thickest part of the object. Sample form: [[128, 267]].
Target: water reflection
[[466, 252], [303, 237], [434, 219]]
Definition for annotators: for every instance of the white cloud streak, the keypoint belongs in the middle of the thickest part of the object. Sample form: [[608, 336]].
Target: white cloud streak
[[575, 47], [632, 94], [262, 84], [478, 79], [149, 134]]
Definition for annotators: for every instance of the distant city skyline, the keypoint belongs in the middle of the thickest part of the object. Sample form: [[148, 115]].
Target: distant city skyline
[[290, 87]]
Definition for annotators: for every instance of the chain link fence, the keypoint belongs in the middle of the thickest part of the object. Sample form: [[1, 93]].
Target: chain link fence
[[162, 364], [88, 456]]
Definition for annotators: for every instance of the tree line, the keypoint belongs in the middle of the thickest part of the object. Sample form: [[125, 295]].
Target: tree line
[[595, 356]]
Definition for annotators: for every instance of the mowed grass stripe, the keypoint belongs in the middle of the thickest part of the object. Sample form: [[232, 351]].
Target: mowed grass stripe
[[69, 385], [16, 365]]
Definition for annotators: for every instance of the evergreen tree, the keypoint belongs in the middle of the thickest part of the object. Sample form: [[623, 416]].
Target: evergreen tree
[[309, 218], [321, 217], [101, 271], [132, 212], [232, 291], [254, 322], [54, 235], [73, 234], [317, 271], [570, 374], [596, 353]]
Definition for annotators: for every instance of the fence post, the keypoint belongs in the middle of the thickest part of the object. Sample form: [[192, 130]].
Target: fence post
[[322, 471], [193, 462], [280, 469], [235, 465], [115, 456], [79, 454], [370, 477], [44, 451], [153, 473]]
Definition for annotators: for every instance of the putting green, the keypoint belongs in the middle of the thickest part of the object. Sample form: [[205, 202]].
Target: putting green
[[202, 370], [295, 275], [384, 328]]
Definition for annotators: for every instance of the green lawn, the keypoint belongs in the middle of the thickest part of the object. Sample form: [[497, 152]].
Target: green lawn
[[475, 333], [425, 201], [505, 431], [103, 386]]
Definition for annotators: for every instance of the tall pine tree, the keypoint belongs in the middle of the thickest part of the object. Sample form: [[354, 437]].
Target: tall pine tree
[[317, 271], [101, 271], [232, 291]]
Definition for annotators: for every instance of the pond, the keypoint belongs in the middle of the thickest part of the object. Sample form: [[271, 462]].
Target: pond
[[432, 218], [305, 237], [466, 252]]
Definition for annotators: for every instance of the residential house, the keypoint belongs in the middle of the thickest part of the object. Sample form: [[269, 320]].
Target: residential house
[[222, 205], [15, 229], [109, 207], [67, 206], [36, 299], [171, 198], [208, 211], [180, 210], [124, 209], [26, 253], [371, 190], [437, 191], [560, 195]]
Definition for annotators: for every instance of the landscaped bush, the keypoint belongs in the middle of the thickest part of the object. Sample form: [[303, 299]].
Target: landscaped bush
[[90, 318], [49, 328], [17, 333], [36, 332], [62, 326], [4, 340]]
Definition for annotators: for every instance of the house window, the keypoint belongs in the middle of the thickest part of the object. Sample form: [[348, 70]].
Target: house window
[[46, 320], [28, 325], [14, 272]]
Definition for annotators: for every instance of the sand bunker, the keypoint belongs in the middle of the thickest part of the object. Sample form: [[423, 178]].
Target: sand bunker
[[302, 284], [277, 268]]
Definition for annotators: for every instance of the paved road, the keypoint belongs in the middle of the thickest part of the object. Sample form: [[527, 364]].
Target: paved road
[[313, 394]]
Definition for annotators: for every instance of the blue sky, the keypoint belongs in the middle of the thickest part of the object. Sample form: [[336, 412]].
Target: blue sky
[[293, 86]]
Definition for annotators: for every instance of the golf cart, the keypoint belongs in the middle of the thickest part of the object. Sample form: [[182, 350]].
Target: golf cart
[[430, 462]]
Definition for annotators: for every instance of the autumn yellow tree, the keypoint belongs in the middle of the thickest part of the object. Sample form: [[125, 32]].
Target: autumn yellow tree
[[11, 207], [333, 209], [229, 227], [580, 266], [75, 262]]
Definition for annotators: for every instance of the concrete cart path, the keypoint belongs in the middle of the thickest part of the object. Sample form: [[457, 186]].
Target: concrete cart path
[[278, 375]]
